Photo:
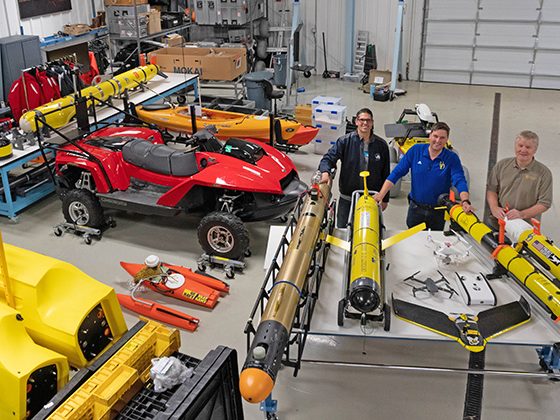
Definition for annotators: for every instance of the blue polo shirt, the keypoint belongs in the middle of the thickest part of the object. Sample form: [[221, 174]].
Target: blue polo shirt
[[430, 178]]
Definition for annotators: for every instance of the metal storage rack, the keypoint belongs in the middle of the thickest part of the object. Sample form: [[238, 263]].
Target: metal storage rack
[[120, 40]]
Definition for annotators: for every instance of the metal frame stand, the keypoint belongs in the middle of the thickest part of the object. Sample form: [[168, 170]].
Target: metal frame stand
[[549, 358], [309, 296]]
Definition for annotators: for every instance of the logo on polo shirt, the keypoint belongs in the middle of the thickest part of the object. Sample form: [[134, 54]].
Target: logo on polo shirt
[[377, 156], [442, 165], [419, 162]]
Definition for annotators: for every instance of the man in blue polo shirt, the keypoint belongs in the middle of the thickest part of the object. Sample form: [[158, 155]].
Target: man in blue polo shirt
[[434, 169]]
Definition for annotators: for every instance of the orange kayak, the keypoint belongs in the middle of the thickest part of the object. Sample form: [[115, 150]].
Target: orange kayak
[[159, 312], [228, 124], [182, 283]]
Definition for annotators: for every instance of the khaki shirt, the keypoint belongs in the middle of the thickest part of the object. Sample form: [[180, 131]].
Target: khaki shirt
[[521, 188]]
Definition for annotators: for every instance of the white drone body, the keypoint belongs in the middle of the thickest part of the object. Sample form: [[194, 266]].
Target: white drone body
[[450, 252]]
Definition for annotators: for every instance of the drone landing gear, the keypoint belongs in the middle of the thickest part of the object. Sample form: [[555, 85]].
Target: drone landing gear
[[229, 265], [86, 232]]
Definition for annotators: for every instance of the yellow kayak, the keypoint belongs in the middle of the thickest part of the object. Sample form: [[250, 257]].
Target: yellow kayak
[[227, 124]]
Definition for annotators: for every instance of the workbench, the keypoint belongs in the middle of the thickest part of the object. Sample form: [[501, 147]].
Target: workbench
[[10, 205]]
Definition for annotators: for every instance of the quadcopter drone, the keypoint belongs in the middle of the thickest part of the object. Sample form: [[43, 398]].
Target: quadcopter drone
[[448, 252], [430, 285]]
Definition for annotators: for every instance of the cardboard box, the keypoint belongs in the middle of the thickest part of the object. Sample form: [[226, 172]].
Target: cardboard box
[[123, 2], [209, 63], [377, 78], [76, 29], [154, 22], [173, 40]]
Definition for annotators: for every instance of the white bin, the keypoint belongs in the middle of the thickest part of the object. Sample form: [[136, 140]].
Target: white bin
[[330, 114], [325, 100], [321, 146]]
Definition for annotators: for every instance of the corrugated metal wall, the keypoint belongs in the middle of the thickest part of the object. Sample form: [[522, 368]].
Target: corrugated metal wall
[[378, 17], [43, 25], [329, 16]]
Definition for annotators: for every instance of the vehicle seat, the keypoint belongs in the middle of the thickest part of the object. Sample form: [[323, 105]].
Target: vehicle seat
[[159, 158], [207, 142]]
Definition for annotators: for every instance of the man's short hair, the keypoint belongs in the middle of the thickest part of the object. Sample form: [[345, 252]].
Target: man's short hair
[[365, 111], [440, 125], [528, 135]]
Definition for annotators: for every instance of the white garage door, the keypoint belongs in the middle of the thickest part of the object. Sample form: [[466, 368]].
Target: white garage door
[[492, 42]]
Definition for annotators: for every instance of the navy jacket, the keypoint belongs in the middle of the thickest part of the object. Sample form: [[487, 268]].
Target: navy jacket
[[348, 149]]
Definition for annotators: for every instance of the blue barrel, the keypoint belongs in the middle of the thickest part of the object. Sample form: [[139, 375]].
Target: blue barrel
[[255, 89]]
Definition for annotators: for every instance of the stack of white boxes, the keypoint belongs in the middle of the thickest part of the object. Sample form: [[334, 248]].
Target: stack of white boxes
[[329, 116]]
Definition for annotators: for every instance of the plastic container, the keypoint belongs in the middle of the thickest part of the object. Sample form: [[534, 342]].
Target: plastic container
[[330, 114], [212, 392], [330, 132], [321, 146], [326, 100], [255, 89]]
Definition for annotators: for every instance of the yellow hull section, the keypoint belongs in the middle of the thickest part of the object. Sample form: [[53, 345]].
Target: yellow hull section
[[20, 358], [544, 289], [366, 261], [58, 113], [57, 301]]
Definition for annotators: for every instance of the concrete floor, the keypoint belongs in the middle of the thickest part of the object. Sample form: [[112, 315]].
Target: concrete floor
[[335, 392]]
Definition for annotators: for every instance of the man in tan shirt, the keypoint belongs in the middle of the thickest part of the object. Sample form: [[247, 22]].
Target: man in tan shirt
[[520, 187]]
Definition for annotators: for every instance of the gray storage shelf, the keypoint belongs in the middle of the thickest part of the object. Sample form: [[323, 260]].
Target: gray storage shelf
[[18, 52]]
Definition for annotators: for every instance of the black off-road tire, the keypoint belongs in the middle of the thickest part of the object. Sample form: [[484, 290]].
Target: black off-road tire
[[82, 201], [223, 234]]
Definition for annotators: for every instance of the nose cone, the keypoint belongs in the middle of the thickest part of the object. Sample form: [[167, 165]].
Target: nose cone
[[255, 385], [25, 125]]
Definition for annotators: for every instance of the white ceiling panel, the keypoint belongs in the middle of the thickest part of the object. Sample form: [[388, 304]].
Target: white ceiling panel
[[546, 62], [450, 33], [445, 9], [500, 80], [445, 77], [509, 9], [502, 42], [503, 60], [506, 34]]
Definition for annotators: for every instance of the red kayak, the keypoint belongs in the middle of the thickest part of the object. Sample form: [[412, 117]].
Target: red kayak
[[182, 283], [159, 312]]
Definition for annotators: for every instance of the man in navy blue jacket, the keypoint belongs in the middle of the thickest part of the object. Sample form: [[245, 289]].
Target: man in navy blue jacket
[[358, 151], [433, 169]]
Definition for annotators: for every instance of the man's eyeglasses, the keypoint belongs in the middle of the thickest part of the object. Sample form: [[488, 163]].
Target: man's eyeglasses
[[364, 120]]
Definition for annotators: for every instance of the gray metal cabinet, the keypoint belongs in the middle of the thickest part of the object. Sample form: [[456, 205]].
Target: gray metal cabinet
[[17, 52]]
